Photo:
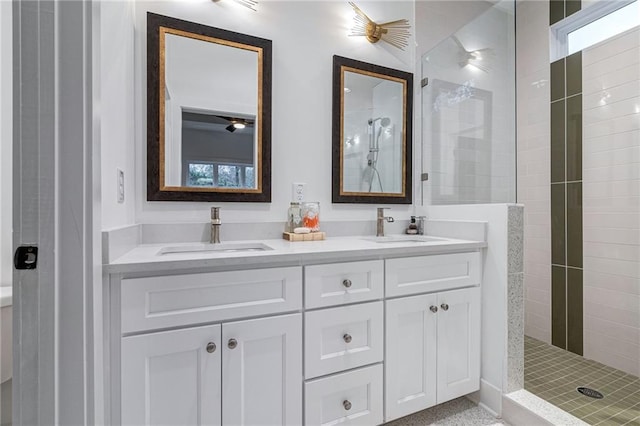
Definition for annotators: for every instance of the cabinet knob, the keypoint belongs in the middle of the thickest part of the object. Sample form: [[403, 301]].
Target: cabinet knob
[[347, 338], [232, 343], [347, 283], [346, 404], [444, 307], [211, 347], [433, 309]]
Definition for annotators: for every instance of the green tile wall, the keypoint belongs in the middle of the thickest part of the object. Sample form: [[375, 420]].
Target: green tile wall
[[566, 192], [574, 73], [558, 141], [560, 9], [558, 224], [557, 80], [574, 310], [556, 11], [572, 6], [573, 122], [574, 224], [559, 306]]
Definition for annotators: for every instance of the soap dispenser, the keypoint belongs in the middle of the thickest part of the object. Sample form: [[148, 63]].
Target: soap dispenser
[[413, 228]]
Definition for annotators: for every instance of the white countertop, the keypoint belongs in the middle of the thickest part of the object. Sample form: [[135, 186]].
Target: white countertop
[[146, 258]]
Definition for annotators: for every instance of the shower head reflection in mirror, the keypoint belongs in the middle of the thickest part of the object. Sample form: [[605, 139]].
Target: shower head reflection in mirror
[[371, 172]]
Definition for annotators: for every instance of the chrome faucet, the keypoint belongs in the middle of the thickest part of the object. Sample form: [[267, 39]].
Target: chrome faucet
[[215, 225], [380, 222]]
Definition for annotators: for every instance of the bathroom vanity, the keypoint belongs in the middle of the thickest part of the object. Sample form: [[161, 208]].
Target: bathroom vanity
[[357, 329]]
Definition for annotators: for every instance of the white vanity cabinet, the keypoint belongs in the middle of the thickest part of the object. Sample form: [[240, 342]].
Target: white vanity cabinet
[[354, 342], [432, 348], [235, 372]]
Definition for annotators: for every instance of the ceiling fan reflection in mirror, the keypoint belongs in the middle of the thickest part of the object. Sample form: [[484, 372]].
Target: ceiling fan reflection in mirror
[[197, 120]]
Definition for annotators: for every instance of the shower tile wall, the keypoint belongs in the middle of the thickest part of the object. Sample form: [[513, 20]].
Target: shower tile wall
[[566, 201], [566, 192], [611, 161], [534, 170], [610, 191]]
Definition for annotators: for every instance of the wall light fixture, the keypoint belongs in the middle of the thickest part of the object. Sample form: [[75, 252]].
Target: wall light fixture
[[396, 33], [479, 58], [249, 4]]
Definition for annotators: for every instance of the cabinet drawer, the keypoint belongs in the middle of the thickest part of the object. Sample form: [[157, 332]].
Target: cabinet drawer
[[175, 300], [341, 338], [339, 283], [412, 275], [353, 398]]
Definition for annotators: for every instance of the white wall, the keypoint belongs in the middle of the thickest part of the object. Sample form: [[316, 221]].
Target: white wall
[[534, 165], [6, 143], [305, 35], [116, 112], [611, 201]]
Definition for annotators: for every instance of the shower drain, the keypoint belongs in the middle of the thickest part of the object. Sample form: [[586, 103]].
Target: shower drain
[[591, 393]]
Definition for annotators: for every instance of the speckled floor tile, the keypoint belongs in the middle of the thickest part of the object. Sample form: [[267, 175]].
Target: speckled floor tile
[[553, 374], [459, 412]]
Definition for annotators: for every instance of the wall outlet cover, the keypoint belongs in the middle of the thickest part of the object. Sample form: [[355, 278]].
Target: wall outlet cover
[[297, 192]]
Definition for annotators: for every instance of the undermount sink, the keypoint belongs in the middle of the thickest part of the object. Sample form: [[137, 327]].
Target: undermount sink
[[404, 239], [215, 248]]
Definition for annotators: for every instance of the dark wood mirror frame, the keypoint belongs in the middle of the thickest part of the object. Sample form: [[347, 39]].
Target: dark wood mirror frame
[[340, 65], [156, 189]]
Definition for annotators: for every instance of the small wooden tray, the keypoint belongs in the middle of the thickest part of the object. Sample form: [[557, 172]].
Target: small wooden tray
[[312, 236]]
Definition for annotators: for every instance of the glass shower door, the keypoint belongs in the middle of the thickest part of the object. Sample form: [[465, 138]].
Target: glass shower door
[[468, 113]]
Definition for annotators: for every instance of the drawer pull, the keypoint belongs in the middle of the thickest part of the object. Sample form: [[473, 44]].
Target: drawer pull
[[211, 347], [433, 309], [347, 283], [347, 338], [346, 404], [232, 343], [444, 307]]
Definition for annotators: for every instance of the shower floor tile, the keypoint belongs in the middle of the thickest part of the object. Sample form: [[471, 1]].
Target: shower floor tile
[[554, 374]]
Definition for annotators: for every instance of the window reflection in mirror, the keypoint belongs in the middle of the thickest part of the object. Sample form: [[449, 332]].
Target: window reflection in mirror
[[209, 106], [217, 151]]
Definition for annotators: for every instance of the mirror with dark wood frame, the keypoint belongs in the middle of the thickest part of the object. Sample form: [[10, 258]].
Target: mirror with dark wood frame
[[208, 113], [372, 128]]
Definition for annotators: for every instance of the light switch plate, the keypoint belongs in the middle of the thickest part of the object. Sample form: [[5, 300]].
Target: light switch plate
[[120, 185]]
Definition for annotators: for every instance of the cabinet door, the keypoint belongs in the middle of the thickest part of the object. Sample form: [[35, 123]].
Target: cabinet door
[[172, 378], [410, 355], [458, 343], [262, 375]]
